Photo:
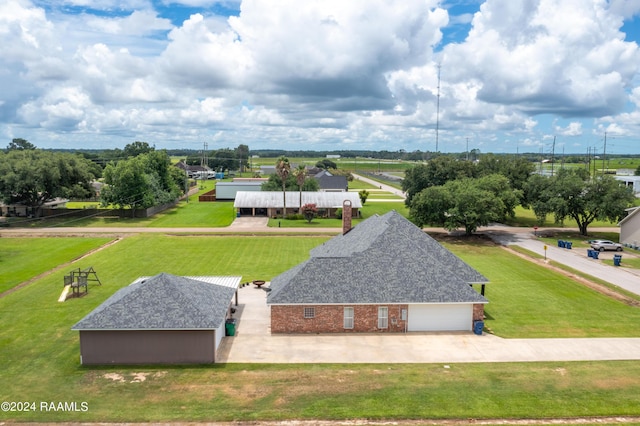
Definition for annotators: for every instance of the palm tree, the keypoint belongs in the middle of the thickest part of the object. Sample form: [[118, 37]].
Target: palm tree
[[283, 169], [300, 173]]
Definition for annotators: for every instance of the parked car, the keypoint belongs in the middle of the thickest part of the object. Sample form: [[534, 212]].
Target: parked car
[[602, 245]]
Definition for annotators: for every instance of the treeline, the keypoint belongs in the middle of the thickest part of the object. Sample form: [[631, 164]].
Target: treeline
[[464, 194], [239, 156]]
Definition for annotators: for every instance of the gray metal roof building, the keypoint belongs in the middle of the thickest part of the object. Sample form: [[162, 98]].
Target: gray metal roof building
[[274, 199]]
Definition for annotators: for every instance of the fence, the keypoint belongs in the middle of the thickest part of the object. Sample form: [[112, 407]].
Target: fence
[[95, 212]]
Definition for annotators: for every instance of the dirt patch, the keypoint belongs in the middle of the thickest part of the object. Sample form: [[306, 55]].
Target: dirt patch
[[133, 377]]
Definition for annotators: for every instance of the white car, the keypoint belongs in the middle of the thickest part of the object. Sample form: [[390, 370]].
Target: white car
[[602, 245]]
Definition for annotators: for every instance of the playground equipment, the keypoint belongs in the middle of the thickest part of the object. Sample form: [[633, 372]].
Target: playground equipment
[[77, 281]]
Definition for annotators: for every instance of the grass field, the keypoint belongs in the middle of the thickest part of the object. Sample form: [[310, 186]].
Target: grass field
[[530, 301], [22, 258], [40, 352]]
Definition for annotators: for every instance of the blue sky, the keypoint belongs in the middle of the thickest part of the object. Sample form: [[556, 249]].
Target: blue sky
[[323, 74]]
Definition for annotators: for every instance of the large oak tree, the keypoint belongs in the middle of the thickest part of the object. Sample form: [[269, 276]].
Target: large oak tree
[[32, 176]]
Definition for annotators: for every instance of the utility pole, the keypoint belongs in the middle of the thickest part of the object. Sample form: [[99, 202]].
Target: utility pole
[[467, 149], [438, 109], [204, 162], [553, 152], [604, 153]]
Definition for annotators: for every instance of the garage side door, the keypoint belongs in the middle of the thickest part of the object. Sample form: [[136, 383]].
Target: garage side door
[[454, 317]]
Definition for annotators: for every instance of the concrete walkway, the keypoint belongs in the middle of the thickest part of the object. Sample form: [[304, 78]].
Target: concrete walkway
[[253, 342]]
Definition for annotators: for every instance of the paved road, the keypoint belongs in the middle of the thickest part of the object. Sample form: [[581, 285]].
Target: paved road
[[626, 278]]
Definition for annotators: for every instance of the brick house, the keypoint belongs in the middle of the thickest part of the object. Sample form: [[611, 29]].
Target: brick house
[[384, 275]]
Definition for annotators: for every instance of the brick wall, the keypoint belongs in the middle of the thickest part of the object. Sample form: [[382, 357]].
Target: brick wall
[[330, 319], [478, 312]]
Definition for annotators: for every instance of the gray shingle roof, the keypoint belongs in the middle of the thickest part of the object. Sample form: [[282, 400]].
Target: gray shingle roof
[[332, 182], [162, 302], [385, 259]]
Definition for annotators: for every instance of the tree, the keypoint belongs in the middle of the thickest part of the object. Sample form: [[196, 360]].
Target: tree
[[141, 181], [20, 145], [136, 148], [309, 211], [326, 164], [436, 172], [242, 153], [364, 194], [517, 170], [536, 197], [571, 193], [300, 173], [283, 169], [467, 203], [32, 177]]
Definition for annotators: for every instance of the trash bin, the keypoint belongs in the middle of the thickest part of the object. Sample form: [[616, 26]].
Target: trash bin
[[230, 327], [560, 243], [477, 327], [595, 254], [568, 244], [589, 253], [617, 258]]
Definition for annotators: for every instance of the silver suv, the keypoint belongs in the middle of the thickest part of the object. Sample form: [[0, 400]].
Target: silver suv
[[602, 245]]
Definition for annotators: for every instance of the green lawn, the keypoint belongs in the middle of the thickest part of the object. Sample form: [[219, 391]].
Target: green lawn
[[530, 301], [40, 352], [526, 218], [24, 258]]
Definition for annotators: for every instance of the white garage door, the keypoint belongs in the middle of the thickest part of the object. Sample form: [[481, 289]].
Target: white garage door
[[440, 317]]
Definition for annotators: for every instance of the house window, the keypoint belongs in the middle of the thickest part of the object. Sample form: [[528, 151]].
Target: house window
[[348, 317], [309, 312], [383, 317]]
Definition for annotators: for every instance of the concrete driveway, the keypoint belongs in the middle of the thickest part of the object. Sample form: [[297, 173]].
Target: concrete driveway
[[253, 342]]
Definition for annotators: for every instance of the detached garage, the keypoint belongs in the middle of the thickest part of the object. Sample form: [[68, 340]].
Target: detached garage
[[163, 319]]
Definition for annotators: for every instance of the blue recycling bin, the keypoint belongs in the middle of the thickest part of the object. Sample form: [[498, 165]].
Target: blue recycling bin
[[560, 242], [596, 253], [478, 326], [617, 259], [568, 244], [589, 253]]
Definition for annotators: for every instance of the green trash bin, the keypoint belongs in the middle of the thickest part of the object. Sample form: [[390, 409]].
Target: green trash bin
[[230, 327]]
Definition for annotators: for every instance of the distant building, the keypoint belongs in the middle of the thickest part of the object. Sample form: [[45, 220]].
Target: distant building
[[270, 203], [331, 183], [632, 182]]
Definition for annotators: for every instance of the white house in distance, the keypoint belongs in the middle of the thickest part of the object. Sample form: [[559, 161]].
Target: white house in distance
[[630, 228], [228, 190], [631, 181]]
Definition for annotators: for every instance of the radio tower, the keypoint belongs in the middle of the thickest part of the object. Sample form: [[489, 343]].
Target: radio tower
[[438, 108]]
